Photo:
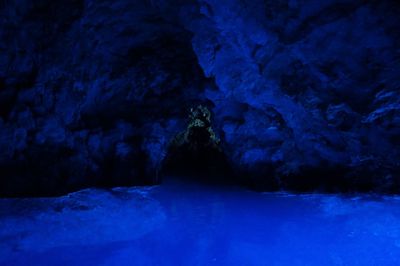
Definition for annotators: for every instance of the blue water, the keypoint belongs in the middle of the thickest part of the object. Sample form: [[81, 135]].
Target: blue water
[[188, 224]]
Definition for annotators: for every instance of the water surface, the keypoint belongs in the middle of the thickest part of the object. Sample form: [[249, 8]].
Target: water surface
[[189, 224]]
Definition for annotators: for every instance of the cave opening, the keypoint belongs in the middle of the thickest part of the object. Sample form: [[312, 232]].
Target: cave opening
[[196, 154]]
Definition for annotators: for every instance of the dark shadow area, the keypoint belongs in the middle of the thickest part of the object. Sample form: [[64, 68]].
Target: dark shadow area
[[48, 172], [204, 166], [195, 154]]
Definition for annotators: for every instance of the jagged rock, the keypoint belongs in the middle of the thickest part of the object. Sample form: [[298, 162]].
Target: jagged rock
[[296, 87]]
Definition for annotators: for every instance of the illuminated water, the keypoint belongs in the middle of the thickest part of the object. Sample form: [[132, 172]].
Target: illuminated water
[[184, 224]]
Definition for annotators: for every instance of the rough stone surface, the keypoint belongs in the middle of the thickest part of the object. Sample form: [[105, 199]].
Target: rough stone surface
[[305, 94]]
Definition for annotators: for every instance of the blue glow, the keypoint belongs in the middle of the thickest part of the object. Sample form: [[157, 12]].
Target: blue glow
[[199, 225], [292, 96]]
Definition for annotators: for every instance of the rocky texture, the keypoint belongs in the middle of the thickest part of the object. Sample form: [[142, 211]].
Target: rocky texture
[[305, 94], [196, 152], [87, 87]]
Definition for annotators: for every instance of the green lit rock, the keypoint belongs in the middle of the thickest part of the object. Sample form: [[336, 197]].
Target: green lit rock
[[197, 149]]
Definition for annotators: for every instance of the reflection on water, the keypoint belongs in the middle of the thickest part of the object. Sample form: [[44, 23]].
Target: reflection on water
[[189, 224]]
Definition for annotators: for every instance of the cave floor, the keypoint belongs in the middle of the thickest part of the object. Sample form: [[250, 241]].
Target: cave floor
[[189, 224]]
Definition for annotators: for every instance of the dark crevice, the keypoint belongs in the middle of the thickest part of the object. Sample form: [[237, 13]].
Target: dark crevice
[[196, 154]]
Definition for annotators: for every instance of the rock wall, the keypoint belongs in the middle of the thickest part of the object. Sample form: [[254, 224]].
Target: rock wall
[[305, 94]]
